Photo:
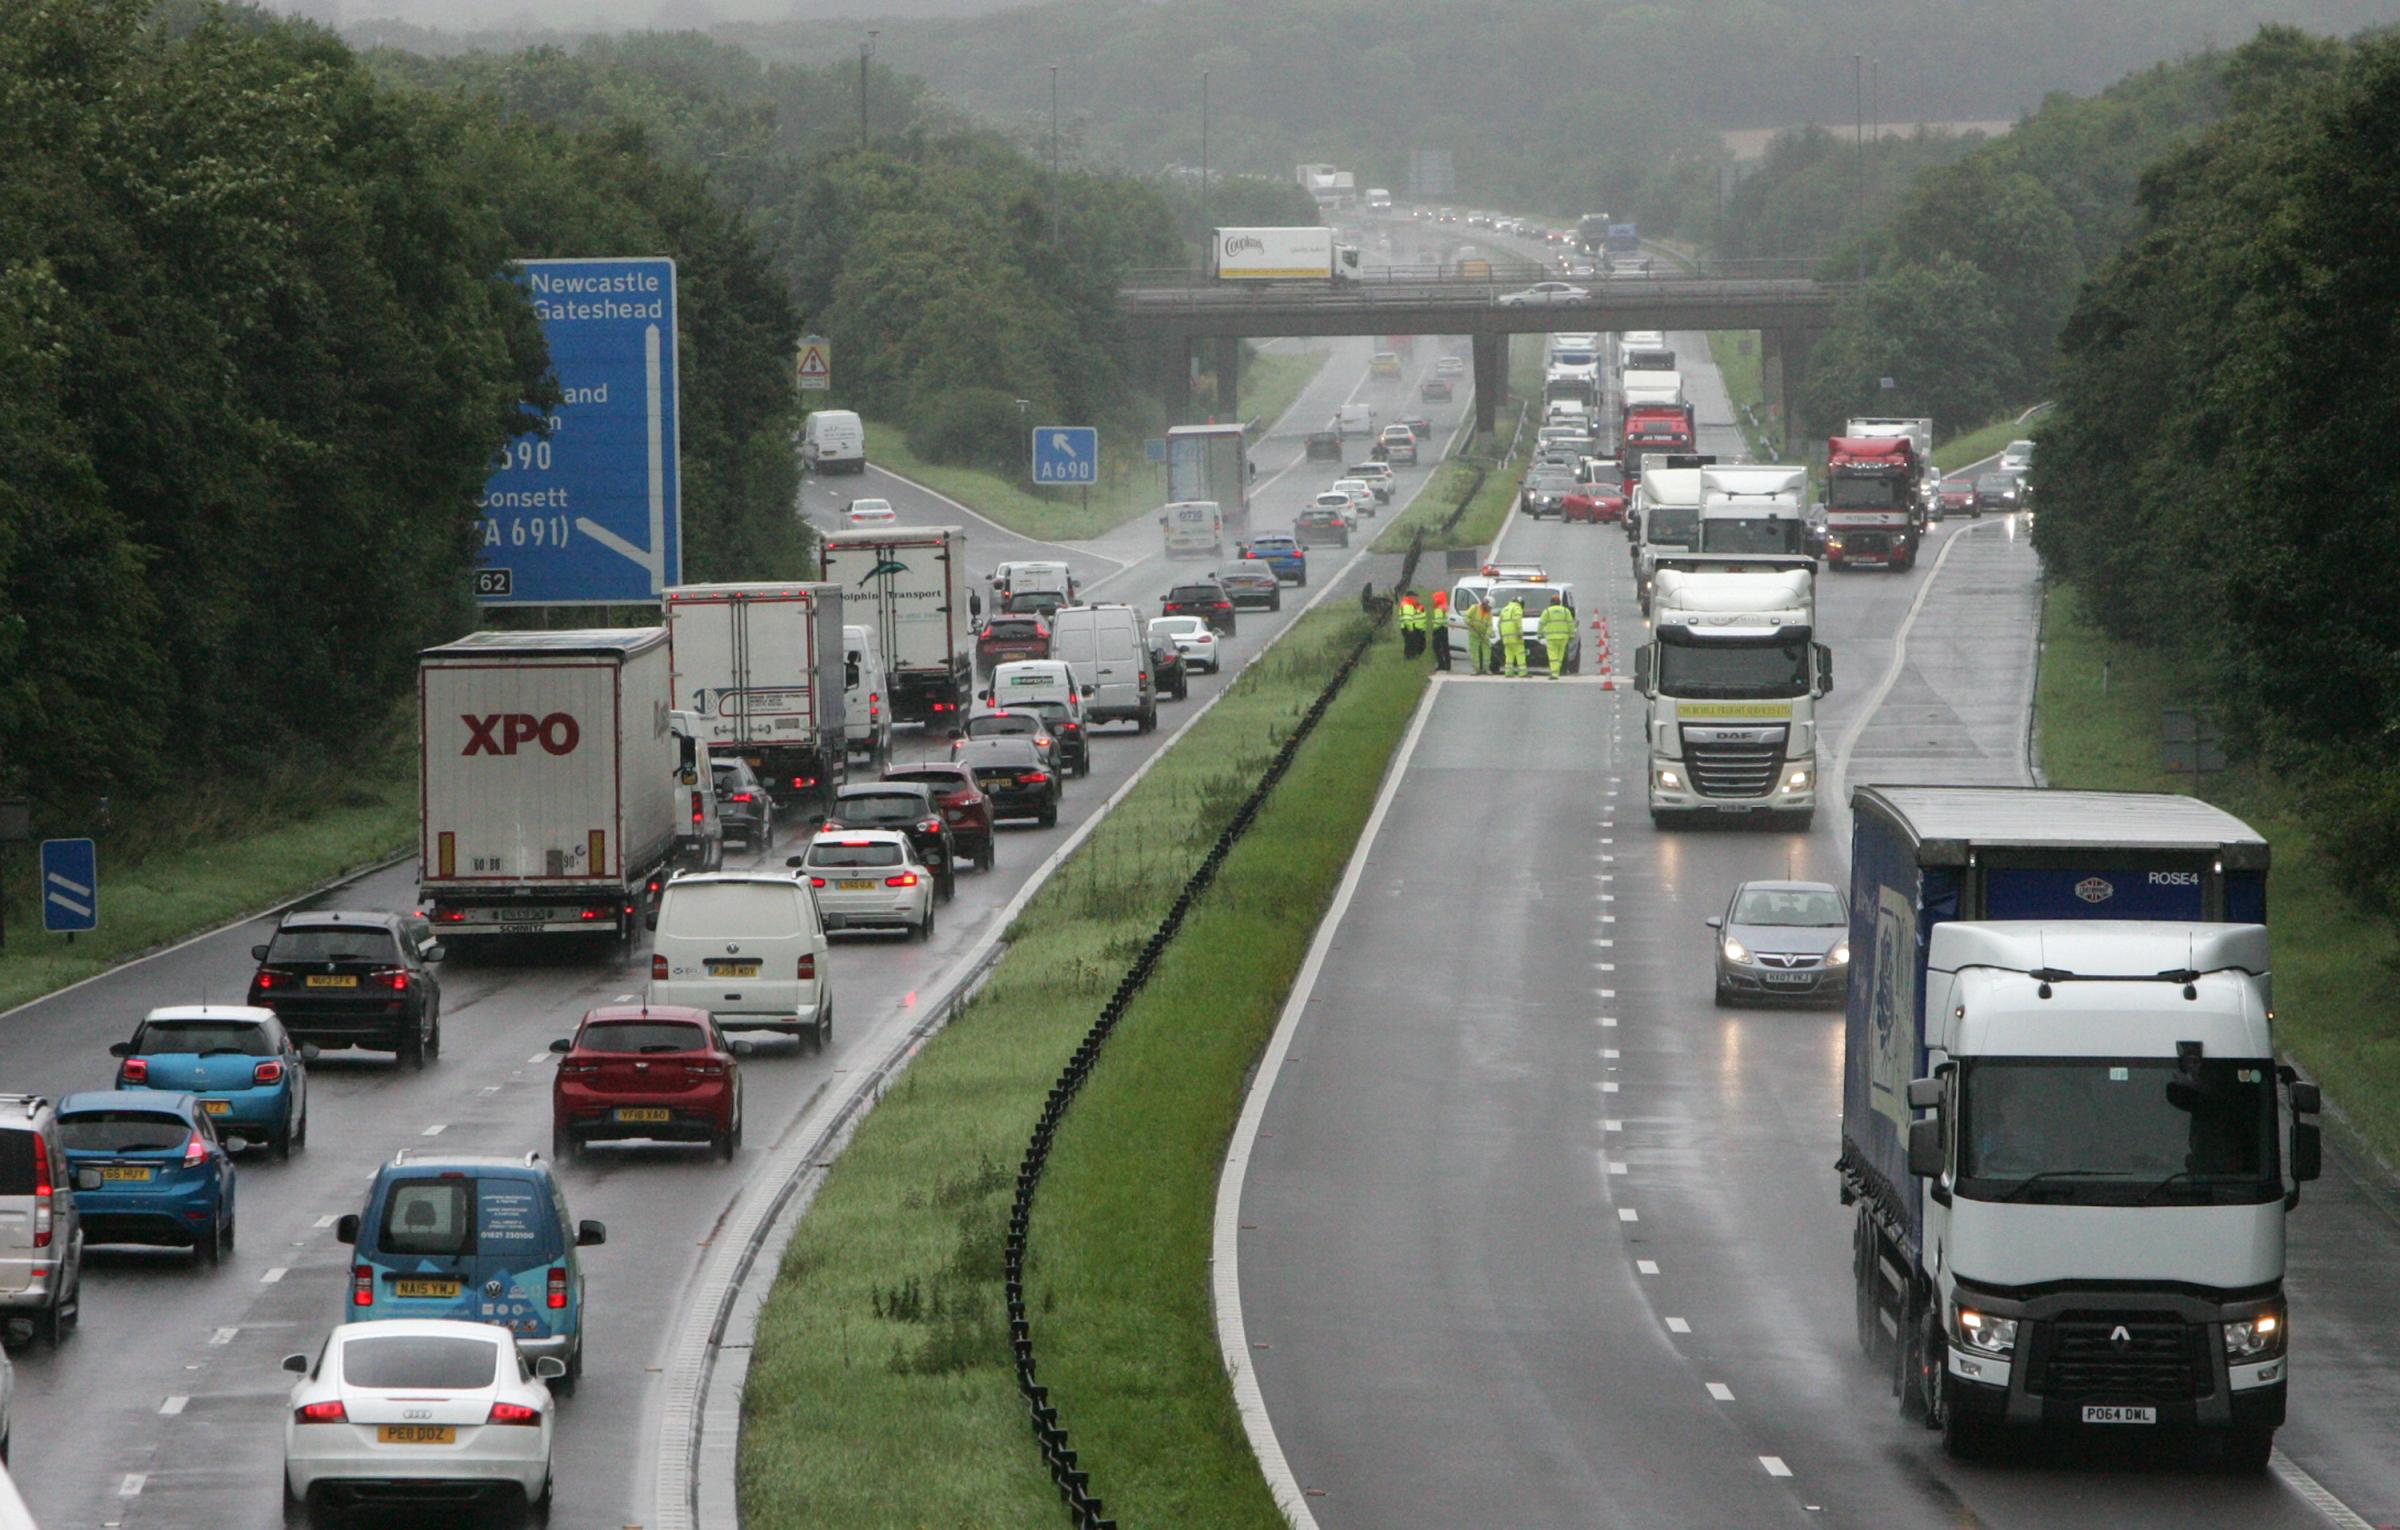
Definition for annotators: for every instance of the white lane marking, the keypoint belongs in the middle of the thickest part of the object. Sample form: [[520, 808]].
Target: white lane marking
[[1720, 1391], [1608, 1086], [1614, 1167], [1233, 1335], [1678, 1325], [1775, 1466], [173, 1406], [435, 1130], [1608, 1051], [2318, 1496], [1608, 1020], [1612, 1126], [223, 1336], [1646, 1266], [271, 1276], [327, 1220], [536, 1057], [1628, 1214], [131, 1487]]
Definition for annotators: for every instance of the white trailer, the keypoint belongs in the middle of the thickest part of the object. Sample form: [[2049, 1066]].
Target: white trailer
[[908, 586], [761, 666], [1279, 255]]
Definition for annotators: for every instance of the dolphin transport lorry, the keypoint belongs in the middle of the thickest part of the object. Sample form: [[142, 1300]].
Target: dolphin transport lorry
[[2068, 1143]]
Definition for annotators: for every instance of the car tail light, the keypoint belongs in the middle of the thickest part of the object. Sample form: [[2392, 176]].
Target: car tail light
[[699, 814], [658, 967], [808, 968], [394, 978], [1034, 778], [1224, 605], [266, 980], [945, 706], [657, 882], [42, 1190], [1041, 632], [511, 1413], [816, 881], [362, 1285], [135, 1070], [1043, 741], [321, 1413], [558, 1287], [746, 796], [802, 783], [929, 826], [267, 1073], [704, 1069], [195, 1152], [874, 705], [904, 879]]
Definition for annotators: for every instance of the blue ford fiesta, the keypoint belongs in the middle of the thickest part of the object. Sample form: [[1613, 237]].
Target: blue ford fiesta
[[148, 1168]]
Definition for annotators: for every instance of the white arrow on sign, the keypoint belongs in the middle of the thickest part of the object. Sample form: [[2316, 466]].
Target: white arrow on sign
[[652, 559], [1062, 443]]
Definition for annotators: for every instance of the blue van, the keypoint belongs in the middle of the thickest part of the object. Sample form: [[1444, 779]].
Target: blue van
[[477, 1238]]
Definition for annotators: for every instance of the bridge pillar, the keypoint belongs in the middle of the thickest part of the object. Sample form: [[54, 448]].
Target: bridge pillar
[[1173, 361], [1225, 361], [1783, 371], [1491, 379]]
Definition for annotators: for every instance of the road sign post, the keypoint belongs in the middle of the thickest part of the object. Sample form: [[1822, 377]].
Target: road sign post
[[70, 886], [1066, 454], [815, 363], [589, 510]]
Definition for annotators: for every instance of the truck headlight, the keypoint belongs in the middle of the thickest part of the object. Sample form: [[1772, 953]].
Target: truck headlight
[[1796, 781], [2257, 1338], [1984, 1333], [1670, 780]]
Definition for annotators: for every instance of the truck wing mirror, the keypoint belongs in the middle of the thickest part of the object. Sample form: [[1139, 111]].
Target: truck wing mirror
[[2307, 1099], [974, 604], [1824, 669], [1925, 1149], [2308, 1151], [1643, 680], [1924, 1093]]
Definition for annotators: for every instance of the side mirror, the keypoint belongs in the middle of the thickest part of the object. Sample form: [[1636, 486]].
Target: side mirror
[[974, 604], [87, 1179], [1714, 921], [258, 953], [562, 1044], [346, 1230], [2307, 1099], [1925, 1149], [1824, 669], [309, 1052], [1924, 1093], [1643, 680], [296, 1364], [125, 1049], [795, 861], [1091, 690], [744, 1048], [437, 952], [548, 1368], [590, 1234], [2308, 1151], [650, 920], [955, 734]]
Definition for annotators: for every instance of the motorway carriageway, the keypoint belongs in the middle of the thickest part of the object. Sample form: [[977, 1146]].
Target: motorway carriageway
[[165, 1406], [1534, 1235]]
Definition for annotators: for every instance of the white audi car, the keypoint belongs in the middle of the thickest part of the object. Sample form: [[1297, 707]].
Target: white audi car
[[418, 1411], [1193, 638]]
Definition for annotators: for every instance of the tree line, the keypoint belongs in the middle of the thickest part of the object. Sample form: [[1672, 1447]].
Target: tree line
[[2212, 481]]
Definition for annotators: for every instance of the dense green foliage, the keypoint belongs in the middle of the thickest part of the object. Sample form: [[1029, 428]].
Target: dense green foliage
[[258, 348], [2228, 381]]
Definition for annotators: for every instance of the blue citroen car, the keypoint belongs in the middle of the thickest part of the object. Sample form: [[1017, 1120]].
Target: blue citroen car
[[250, 1077], [163, 1175]]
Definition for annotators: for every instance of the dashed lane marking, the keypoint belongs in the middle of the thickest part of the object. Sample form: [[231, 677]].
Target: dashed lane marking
[[1645, 1266], [1678, 1325], [173, 1406], [271, 1276], [1720, 1391], [435, 1130], [1775, 1466], [131, 1487], [1628, 1214]]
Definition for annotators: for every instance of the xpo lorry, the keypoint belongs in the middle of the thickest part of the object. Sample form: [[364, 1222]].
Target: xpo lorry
[[761, 665], [2085, 1228], [908, 586], [554, 785], [1732, 678]]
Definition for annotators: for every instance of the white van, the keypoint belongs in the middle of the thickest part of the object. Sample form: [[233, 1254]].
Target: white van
[[1023, 681], [1355, 420], [1033, 574], [866, 718], [749, 948], [1194, 526], [833, 441], [1103, 646]]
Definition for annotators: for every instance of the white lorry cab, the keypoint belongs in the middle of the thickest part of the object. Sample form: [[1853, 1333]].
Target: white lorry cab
[[1195, 528], [1666, 511], [834, 441], [1754, 509], [1732, 675]]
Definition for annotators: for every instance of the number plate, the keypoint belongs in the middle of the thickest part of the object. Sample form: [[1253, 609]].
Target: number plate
[[416, 1434], [1791, 977], [733, 969], [323, 980], [122, 1172], [2108, 1414], [644, 1113], [848, 884], [524, 915], [436, 1288], [216, 1107]]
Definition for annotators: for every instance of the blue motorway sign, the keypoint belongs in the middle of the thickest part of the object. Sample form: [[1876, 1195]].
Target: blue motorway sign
[[590, 511], [1066, 454], [70, 886]]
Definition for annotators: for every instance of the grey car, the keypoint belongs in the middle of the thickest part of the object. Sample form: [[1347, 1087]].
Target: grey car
[[1782, 940], [742, 804]]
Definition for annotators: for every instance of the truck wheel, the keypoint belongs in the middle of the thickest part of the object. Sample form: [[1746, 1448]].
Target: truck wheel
[[1970, 1439], [1912, 1369]]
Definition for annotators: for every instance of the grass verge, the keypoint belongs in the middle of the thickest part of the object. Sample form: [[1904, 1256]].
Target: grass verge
[[219, 861], [1738, 360], [882, 1391], [1271, 381], [1451, 483], [1975, 445], [2098, 710]]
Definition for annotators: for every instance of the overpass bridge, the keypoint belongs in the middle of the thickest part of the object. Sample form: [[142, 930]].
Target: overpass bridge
[[1174, 315]]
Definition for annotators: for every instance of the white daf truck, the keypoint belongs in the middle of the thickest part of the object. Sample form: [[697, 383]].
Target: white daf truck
[[1732, 676]]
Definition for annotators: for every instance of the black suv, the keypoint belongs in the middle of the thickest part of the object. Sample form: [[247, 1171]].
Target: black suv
[[743, 806], [908, 808], [1206, 600], [354, 980]]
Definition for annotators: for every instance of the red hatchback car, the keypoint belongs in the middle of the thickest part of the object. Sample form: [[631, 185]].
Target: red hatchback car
[[964, 806], [1005, 638], [658, 1073]]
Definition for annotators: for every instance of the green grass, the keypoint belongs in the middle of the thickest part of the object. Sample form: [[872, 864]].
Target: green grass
[[882, 1391], [1451, 480], [1738, 355], [212, 861], [2334, 970], [1271, 382], [1976, 445]]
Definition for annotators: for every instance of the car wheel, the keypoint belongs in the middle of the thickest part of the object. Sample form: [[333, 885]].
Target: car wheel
[[433, 1038], [211, 1249], [736, 1134], [721, 1144], [321, 1512], [767, 837], [1275, 602], [50, 1325], [564, 1386], [1049, 818], [279, 1146], [562, 1143], [1724, 997], [925, 925], [412, 1047]]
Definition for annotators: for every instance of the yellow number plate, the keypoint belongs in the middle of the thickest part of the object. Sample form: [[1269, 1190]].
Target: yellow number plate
[[125, 1174], [733, 969], [321, 980], [216, 1107], [644, 1113], [424, 1288], [853, 884], [416, 1434]]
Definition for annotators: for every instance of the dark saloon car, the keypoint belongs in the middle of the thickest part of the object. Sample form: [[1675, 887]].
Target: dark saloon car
[[743, 806], [1206, 599], [1319, 528], [1014, 775], [2002, 492]]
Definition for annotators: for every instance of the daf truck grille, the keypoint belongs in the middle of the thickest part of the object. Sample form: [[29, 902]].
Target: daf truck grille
[[2110, 1357], [1733, 762]]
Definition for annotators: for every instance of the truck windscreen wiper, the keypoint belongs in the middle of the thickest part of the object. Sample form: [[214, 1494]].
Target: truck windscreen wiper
[[2032, 1180]]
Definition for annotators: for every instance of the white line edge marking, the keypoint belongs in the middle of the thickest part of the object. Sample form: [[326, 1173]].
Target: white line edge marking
[[2319, 1497], [1233, 1336]]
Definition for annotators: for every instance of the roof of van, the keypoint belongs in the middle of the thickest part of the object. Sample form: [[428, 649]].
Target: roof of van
[[585, 642], [2038, 817], [1672, 486]]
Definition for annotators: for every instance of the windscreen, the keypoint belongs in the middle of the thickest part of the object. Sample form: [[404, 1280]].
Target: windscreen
[[1809, 906], [939, 780], [1749, 534], [832, 853], [1745, 668], [881, 807], [2117, 1131], [1672, 525], [1178, 626], [1012, 627], [420, 1361], [729, 910], [1002, 725], [122, 1131], [637, 1036], [341, 945], [1844, 493], [204, 1037]]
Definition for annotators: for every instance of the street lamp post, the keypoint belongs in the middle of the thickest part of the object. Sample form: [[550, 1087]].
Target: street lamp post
[[1054, 154], [1858, 158], [866, 50], [1204, 228]]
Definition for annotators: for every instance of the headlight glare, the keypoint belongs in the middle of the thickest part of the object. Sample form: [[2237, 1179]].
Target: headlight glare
[[1839, 956], [1734, 951], [2255, 1338]]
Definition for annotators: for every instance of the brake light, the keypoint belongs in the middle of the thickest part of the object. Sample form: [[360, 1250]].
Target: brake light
[[704, 1069], [264, 981], [1074, 727], [816, 881], [904, 879], [1041, 632], [42, 1189], [945, 706], [658, 968], [802, 783], [321, 1413], [510, 1413], [1034, 778], [807, 972], [394, 977], [558, 1287], [267, 1073], [195, 1152], [362, 1285], [1043, 740], [134, 1070], [742, 797], [1224, 605], [698, 816], [874, 705], [929, 826]]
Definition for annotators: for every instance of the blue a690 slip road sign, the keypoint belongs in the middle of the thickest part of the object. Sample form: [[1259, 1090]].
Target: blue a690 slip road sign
[[1066, 454], [590, 512], [70, 886]]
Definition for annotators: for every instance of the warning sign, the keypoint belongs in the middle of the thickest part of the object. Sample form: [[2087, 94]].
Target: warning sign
[[816, 362]]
